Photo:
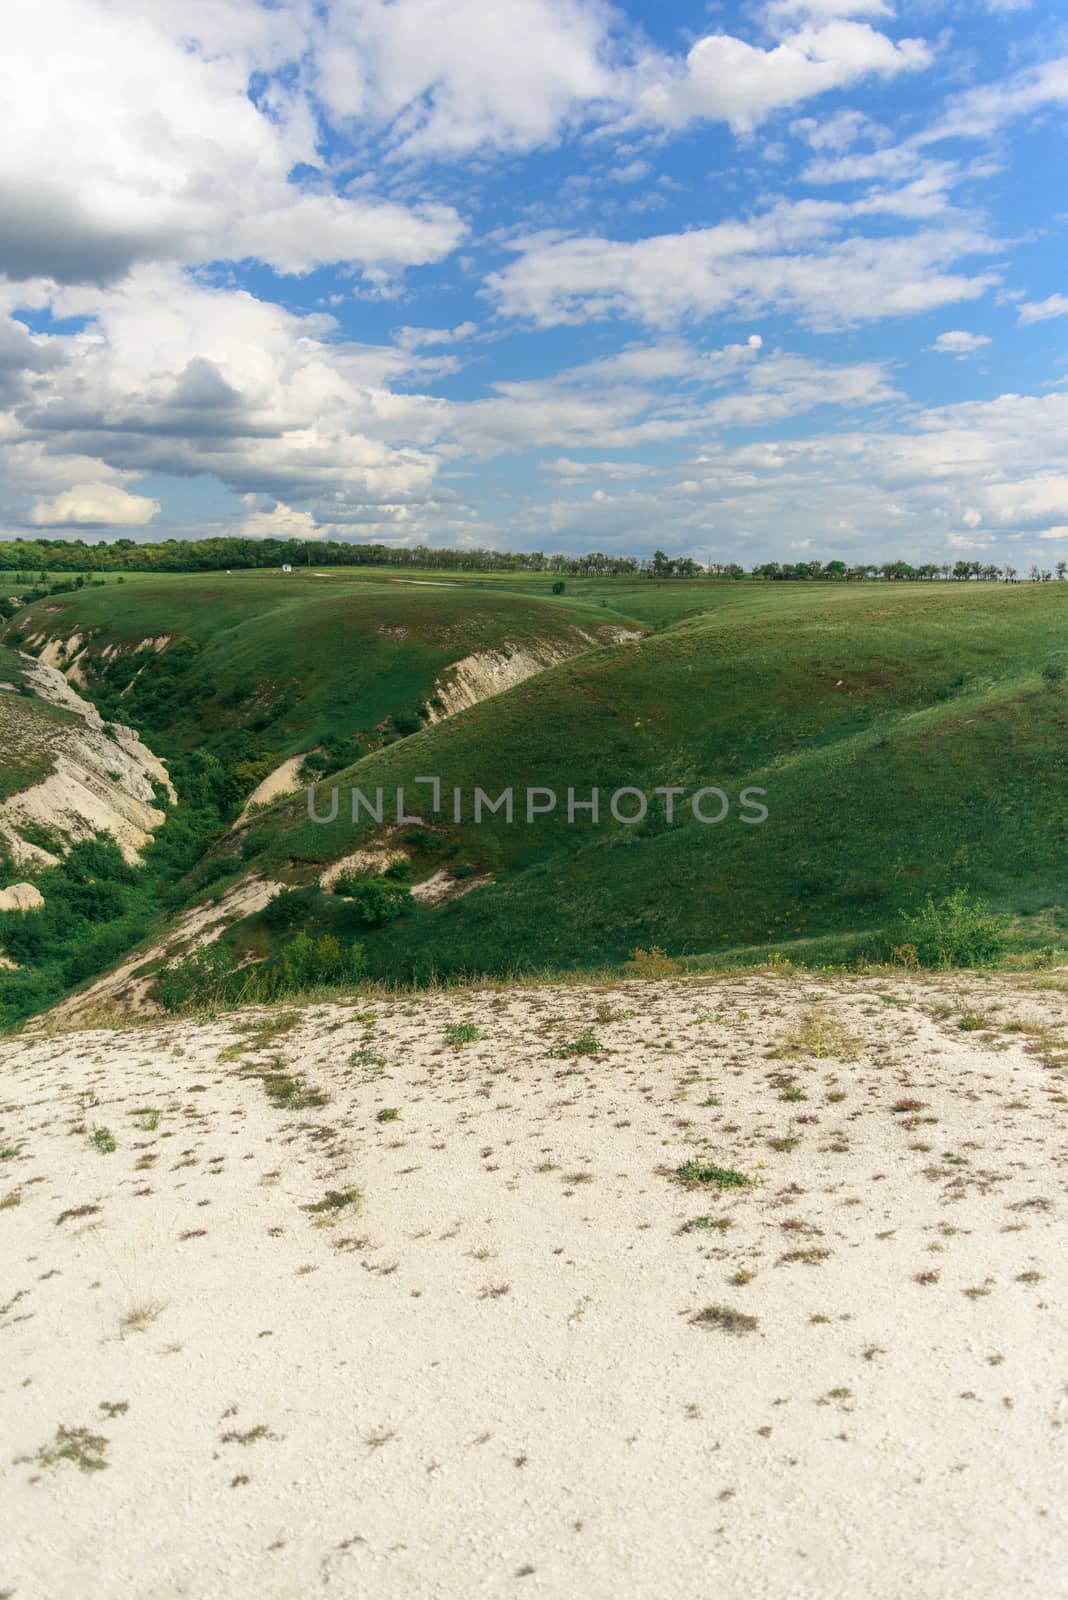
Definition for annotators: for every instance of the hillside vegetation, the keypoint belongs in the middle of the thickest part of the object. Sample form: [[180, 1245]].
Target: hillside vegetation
[[908, 742]]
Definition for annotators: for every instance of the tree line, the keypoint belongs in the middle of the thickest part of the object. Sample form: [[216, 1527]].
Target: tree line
[[30, 556]]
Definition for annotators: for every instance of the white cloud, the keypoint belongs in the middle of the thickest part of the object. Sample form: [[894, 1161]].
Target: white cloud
[[123, 141], [95, 505], [784, 386], [280, 522], [1056, 305], [446, 79], [958, 342], [727, 80], [792, 257], [979, 112], [177, 378], [416, 338], [779, 11]]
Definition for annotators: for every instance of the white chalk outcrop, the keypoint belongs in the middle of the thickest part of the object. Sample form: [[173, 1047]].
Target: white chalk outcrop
[[102, 779], [489, 672], [21, 897]]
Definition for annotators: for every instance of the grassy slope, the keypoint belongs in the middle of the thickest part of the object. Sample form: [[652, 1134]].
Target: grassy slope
[[28, 730], [903, 736], [305, 658]]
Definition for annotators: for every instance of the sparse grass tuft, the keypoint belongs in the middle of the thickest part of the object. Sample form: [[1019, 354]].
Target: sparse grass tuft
[[819, 1035], [335, 1201], [726, 1319], [460, 1033], [695, 1174], [585, 1045], [83, 1449], [140, 1316]]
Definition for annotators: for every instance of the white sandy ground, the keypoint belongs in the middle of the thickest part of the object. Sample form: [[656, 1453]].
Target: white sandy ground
[[488, 1380]]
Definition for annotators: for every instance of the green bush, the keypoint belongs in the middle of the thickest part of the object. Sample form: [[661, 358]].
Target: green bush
[[954, 932], [210, 976], [289, 908], [1054, 673], [376, 899]]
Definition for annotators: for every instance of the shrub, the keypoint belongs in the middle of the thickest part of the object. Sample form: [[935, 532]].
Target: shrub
[[559, 586], [289, 908], [209, 976], [197, 978], [376, 900], [954, 932], [651, 963], [1054, 673]]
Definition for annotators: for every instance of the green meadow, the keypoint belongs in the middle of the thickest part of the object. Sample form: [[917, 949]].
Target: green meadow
[[909, 741]]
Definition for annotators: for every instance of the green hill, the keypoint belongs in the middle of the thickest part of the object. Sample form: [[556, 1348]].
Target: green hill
[[271, 663], [907, 741]]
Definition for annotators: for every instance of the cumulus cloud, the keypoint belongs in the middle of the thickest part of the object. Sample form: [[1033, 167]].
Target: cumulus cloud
[[725, 79], [123, 141], [958, 342], [95, 505], [447, 79], [172, 377], [280, 522]]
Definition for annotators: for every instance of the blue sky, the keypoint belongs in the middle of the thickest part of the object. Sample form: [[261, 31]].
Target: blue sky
[[783, 279]]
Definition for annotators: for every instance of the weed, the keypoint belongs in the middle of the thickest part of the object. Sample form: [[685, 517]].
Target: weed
[[248, 1436], [287, 1091], [585, 1045], [337, 1200], [652, 963], [819, 1035], [387, 1114], [700, 1173], [140, 1316], [104, 1141], [726, 1319], [460, 1033], [83, 1449], [811, 1257]]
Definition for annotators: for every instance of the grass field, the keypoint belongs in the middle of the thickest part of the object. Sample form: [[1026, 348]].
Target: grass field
[[908, 740], [290, 658]]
